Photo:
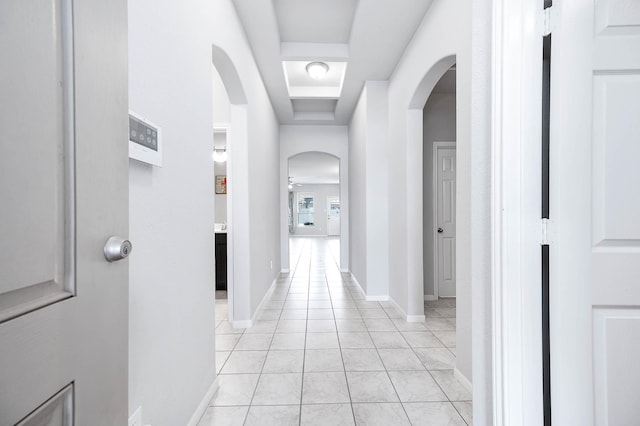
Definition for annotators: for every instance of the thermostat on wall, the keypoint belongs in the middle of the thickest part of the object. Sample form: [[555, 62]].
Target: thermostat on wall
[[145, 143]]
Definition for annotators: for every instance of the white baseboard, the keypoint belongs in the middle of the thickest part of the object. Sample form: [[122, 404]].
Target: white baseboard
[[284, 271], [204, 403], [357, 284], [463, 380], [265, 299], [408, 318], [346, 271], [376, 298], [136, 418], [379, 298], [416, 318], [242, 323], [430, 298]]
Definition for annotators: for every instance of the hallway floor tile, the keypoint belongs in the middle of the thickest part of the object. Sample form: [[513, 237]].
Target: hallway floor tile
[[320, 354]]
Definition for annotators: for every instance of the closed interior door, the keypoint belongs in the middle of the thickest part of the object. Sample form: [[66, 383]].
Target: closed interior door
[[445, 215], [64, 191], [594, 285], [333, 216]]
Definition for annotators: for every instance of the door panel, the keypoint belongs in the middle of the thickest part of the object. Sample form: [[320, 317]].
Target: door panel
[[64, 189], [445, 178], [595, 249], [34, 160]]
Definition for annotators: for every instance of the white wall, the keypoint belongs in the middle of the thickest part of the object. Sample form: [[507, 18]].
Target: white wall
[[320, 193], [171, 333], [358, 190], [221, 103], [439, 125], [369, 141], [327, 139], [252, 168], [449, 22]]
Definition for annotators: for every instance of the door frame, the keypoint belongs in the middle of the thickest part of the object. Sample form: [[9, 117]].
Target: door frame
[[436, 147], [516, 188], [332, 197], [226, 129]]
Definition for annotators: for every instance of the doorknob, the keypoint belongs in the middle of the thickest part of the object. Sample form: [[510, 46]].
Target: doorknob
[[440, 230], [117, 248]]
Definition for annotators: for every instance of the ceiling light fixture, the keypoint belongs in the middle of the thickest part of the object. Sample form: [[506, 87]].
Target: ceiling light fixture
[[220, 155], [317, 70]]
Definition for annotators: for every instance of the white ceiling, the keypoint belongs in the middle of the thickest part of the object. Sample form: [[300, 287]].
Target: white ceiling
[[367, 37], [314, 168]]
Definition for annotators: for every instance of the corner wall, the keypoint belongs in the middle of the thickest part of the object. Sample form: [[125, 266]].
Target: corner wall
[[369, 148], [171, 331], [449, 22], [357, 189]]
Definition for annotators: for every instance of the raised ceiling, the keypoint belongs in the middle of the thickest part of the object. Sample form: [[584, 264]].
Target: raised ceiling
[[360, 39]]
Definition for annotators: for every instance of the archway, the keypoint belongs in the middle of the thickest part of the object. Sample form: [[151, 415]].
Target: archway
[[294, 140], [415, 208], [234, 124], [314, 203]]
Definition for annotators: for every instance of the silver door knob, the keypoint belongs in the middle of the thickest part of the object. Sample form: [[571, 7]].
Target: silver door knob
[[117, 248], [440, 230]]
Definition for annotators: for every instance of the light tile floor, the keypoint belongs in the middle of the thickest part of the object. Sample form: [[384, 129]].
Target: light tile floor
[[322, 355]]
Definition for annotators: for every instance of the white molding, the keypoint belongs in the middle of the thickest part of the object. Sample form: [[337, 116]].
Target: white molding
[[135, 419], [430, 298], [345, 270], [381, 298], [377, 298], [284, 271], [204, 403], [357, 283], [264, 300], [515, 203], [416, 318], [463, 379], [242, 323], [408, 318]]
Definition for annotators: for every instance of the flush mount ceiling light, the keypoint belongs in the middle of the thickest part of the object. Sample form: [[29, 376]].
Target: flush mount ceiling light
[[220, 155], [317, 70]]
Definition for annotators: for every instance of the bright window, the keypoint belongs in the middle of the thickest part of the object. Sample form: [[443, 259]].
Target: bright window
[[305, 209]]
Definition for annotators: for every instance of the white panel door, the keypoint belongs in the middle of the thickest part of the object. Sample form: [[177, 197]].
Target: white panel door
[[333, 216], [445, 217], [595, 213], [63, 192]]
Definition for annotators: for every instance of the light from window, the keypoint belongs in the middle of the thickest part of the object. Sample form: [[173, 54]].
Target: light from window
[[305, 209]]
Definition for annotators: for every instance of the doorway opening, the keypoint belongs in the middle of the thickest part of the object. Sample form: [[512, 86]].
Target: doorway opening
[[314, 199], [439, 190], [229, 141]]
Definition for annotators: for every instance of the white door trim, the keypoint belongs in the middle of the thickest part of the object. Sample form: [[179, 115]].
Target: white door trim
[[434, 204], [329, 199], [226, 129], [516, 210]]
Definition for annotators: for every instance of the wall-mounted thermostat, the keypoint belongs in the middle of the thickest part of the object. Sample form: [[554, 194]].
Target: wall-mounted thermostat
[[145, 143]]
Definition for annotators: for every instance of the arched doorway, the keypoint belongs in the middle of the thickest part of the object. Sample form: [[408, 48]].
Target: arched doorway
[[314, 204], [328, 140], [233, 124]]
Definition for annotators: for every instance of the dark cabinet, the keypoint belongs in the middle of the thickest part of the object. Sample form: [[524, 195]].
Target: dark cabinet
[[221, 261]]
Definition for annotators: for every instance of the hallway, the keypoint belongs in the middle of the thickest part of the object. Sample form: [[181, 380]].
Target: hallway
[[321, 354]]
